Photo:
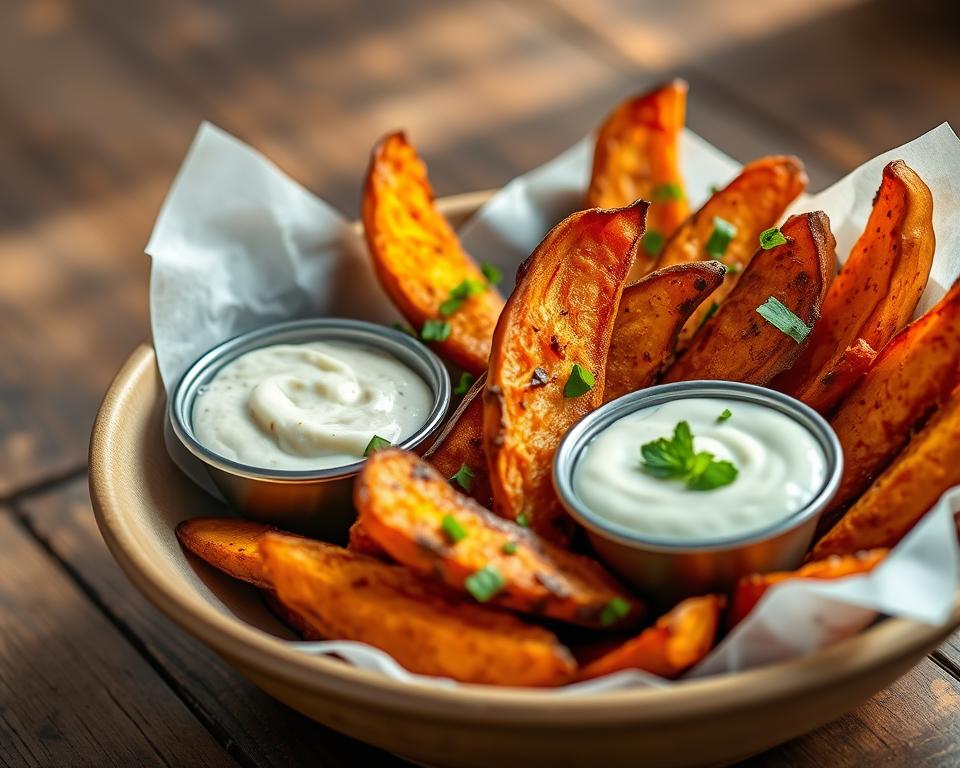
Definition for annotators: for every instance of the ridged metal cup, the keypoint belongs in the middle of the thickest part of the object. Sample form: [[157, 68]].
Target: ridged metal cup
[[669, 569], [315, 500]]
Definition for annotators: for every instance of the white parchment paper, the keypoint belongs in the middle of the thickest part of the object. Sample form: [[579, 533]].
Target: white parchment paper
[[238, 245]]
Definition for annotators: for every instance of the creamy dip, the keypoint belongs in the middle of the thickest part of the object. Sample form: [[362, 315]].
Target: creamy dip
[[780, 469], [309, 406]]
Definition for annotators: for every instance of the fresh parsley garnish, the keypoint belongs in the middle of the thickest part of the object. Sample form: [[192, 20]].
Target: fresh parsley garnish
[[714, 188], [463, 386], [675, 459], [723, 233], [580, 382], [375, 444], [485, 583], [724, 415], [652, 242], [493, 275], [780, 317], [460, 293], [509, 548], [463, 477], [435, 330], [523, 520], [453, 530], [613, 611], [771, 238], [663, 193]]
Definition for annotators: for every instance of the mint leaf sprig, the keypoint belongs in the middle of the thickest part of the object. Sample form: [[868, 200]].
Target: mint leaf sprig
[[674, 459]]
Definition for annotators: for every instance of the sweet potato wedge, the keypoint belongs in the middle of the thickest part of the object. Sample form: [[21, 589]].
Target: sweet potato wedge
[[914, 373], [751, 588], [411, 511], [425, 628], [752, 203], [419, 259], [651, 314], [553, 333], [289, 617], [227, 543], [360, 542], [840, 376], [637, 156], [738, 344], [678, 640], [460, 444], [928, 466], [877, 291]]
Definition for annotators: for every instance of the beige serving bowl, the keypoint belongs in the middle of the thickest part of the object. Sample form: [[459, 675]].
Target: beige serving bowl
[[139, 496]]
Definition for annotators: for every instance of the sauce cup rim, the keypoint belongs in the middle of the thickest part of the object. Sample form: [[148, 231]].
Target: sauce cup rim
[[573, 444]]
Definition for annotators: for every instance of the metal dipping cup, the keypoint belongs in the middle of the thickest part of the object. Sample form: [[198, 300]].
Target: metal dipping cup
[[668, 569], [316, 501]]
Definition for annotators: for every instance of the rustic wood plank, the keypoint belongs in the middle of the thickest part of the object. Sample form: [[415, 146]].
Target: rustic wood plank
[[257, 730], [72, 690]]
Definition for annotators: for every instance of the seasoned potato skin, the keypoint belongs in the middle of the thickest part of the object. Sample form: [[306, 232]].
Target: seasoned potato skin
[[678, 640], [649, 318], [637, 154], [417, 256], [842, 375], [560, 314], [879, 287], [422, 625], [738, 344], [360, 542], [751, 588], [402, 504], [752, 202], [227, 543], [911, 376]]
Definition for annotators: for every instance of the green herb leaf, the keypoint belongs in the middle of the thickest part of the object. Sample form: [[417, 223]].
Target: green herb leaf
[[463, 386], [523, 520], [613, 611], [485, 583], [509, 548], [493, 275], [435, 330], [714, 475], [460, 293], [580, 382], [674, 459], [771, 238], [652, 242], [663, 193], [453, 530], [780, 317], [714, 188], [734, 269], [404, 328], [375, 444], [723, 233], [464, 477], [724, 415]]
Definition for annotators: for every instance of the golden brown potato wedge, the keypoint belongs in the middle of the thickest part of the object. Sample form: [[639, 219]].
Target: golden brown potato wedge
[[637, 156], [419, 259], [913, 373], [842, 375], [227, 543], [876, 293], [413, 513], [651, 314], [293, 619], [678, 640], [738, 344], [928, 466], [424, 627], [751, 588], [551, 341], [752, 202], [360, 542]]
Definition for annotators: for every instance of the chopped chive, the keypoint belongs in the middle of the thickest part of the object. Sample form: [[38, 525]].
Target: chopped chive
[[652, 242], [463, 386], [663, 193], [485, 583], [580, 382], [613, 611], [523, 520], [435, 330], [463, 477], [724, 415], [780, 317], [509, 548], [723, 233], [404, 328], [375, 444], [493, 275], [453, 530], [771, 238]]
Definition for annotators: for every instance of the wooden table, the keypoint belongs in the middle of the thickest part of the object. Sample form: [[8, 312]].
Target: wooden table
[[98, 102]]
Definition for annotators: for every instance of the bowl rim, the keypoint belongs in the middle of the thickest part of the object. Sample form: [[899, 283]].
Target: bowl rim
[[266, 656]]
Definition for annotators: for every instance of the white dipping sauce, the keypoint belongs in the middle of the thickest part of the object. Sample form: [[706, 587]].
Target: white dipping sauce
[[781, 468], [309, 406]]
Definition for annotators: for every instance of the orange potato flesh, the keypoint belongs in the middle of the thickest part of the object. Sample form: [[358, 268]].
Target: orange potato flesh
[[360, 542], [460, 444], [911, 485], [417, 255], [751, 588], [842, 375], [752, 202], [738, 344], [637, 156], [227, 543], [651, 314], [404, 505], [913, 373], [561, 313], [876, 293], [426, 629], [678, 640]]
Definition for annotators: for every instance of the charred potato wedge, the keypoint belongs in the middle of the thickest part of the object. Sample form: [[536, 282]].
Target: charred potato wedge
[[419, 260], [228, 544], [551, 340]]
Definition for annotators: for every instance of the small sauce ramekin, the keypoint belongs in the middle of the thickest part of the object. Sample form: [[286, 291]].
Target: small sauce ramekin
[[669, 569], [315, 500]]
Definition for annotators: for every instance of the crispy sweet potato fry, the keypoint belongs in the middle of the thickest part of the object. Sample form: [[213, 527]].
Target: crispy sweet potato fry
[[842, 375], [913, 374], [423, 523], [752, 203], [425, 628], [361, 543], [876, 293], [637, 156], [751, 588], [460, 444], [651, 314], [677, 641], [418, 257], [928, 466], [738, 344], [289, 616], [227, 543], [560, 315]]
